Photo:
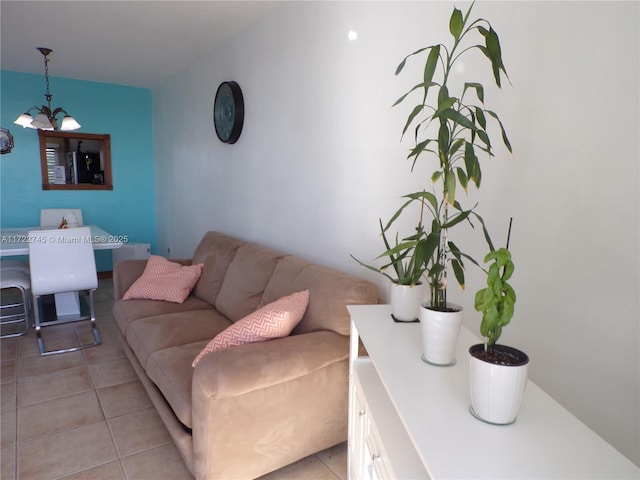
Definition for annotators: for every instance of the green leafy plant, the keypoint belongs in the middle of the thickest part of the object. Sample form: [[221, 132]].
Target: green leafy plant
[[497, 300], [452, 129], [407, 257]]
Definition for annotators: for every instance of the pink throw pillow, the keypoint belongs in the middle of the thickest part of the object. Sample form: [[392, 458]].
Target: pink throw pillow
[[164, 280], [274, 320]]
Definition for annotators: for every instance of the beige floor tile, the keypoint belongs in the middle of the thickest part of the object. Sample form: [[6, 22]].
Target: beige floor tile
[[8, 371], [8, 463], [58, 415], [8, 349], [138, 431], [8, 396], [158, 463], [68, 452], [336, 459], [123, 398], [108, 351], [37, 365], [27, 345], [109, 471], [41, 388], [307, 468], [112, 373], [7, 428]]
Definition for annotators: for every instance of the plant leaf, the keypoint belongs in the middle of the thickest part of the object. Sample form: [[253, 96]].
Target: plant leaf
[[458, 272], [504, 133], [479, 88], [457, 117], [404, 61], [455, 23], [416, 110], [431, 64]]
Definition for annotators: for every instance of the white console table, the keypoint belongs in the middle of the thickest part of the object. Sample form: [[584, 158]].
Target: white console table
[[410, 420]]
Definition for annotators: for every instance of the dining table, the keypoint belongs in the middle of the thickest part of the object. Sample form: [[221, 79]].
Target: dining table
[[15, 241]]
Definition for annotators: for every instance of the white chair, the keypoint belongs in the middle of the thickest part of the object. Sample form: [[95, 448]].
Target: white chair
[[52, 217], [14, 313], [62, 262]]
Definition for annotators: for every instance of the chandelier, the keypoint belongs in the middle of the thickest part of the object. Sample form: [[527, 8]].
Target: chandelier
[[45, 119]]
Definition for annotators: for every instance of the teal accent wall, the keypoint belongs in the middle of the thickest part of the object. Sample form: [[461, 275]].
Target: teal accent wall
[[123, 112]]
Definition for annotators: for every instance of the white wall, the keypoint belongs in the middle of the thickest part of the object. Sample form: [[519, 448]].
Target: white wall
[[319, 160]]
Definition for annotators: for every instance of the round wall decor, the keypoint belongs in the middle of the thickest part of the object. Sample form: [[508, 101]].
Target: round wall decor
[[6, 141], [228, 112]]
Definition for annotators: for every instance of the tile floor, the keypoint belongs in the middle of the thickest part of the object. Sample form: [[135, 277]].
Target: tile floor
[[85, 415]]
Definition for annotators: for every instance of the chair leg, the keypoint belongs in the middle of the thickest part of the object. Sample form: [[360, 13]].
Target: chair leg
[[17, 318], [94, 328]]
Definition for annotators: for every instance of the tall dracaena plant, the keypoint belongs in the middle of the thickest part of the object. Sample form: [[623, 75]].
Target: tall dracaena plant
[[453, 128]]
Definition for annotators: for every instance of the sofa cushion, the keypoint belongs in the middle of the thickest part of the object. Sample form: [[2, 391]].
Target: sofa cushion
[[274, 320], [331, 291], [164, 280], [215, 251], [126, 311], [152, 334], [245, 281], [170, 369]]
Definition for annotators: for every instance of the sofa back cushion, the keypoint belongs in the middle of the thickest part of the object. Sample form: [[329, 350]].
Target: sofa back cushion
[[245, 280], [215, 251], [330, 292]]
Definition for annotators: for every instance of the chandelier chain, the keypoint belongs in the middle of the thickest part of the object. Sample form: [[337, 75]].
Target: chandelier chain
[[46, 76]]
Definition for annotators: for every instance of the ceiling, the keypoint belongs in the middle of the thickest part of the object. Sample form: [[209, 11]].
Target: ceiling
[[136, 43]]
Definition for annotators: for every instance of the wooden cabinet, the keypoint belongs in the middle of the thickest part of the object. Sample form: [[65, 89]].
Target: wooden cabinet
[[410, 420]]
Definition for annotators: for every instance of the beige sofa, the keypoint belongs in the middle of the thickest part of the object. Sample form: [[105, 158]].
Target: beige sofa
[[251, 409]]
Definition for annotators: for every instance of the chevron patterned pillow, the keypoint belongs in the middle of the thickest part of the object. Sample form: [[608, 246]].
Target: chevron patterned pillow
[[164, 280], [274, 320]]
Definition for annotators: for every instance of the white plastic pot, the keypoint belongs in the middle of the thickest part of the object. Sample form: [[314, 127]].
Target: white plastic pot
[[497, 390], [405, 301], [440, 331]]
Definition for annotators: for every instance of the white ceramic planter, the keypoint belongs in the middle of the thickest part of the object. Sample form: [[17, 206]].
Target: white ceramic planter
[[405, 301], [497, 390], [440, 331]]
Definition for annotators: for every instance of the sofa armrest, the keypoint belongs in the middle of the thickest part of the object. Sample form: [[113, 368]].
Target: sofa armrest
[[125, 272], [238, 370], [276, 402]]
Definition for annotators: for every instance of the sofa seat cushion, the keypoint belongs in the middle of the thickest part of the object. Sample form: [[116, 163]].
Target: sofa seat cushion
[[170, 369], [152, 334], [126, 311]]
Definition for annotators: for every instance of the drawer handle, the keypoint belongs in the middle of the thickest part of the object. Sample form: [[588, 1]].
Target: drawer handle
[[362, 413], [375, 457]]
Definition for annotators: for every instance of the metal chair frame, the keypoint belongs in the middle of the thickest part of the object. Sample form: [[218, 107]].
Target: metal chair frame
[[15, 279]]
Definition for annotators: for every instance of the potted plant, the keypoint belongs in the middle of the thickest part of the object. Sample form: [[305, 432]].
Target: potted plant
[[404, 267], [450, 128], [497, 373]]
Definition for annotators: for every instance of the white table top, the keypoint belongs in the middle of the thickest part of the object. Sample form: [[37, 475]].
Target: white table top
[[15, 241], [546, 441]]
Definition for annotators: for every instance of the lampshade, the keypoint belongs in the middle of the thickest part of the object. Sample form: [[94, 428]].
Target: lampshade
[[42, 122], [69, 123], [25, 120]]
